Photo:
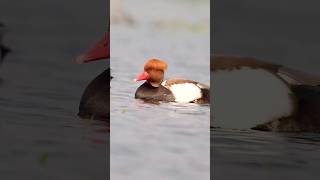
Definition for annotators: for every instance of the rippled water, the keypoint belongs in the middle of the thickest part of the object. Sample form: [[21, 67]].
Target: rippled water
[[264, 155], [41, 135], [166, 140]]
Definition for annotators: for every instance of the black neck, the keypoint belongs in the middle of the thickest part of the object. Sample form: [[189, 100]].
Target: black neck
[[148, 92]]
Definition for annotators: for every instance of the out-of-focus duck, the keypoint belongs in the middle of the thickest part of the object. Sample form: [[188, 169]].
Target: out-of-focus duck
[[172, 90], [119, 14], [249, 93], [94, 103], [4, 50]]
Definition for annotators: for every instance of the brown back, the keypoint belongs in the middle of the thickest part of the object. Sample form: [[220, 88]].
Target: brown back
[[225, 62]]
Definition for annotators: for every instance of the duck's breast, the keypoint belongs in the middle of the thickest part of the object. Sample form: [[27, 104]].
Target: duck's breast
[[95, 101]]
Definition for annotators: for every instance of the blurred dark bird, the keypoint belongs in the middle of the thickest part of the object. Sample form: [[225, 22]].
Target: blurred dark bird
[[4, 50], [94, 103]]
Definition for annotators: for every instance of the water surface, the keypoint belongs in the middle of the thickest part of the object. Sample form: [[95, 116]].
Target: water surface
[[249, 154], [166, 140]]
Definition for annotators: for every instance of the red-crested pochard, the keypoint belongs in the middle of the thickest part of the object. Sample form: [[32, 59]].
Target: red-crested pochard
[[172, 90], [249, 93], [94, 102]]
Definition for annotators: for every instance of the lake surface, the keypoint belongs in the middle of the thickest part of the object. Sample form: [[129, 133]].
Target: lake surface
[[166, 140], [41, 135], [252, 154], [281, 32]]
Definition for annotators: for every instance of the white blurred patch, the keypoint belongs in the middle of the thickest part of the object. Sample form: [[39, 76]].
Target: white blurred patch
[[185, 92], [246, 97]]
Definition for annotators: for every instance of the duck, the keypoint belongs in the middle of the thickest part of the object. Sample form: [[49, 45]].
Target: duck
[[4, 50], [255, 94], [120, 15], [155, 88], [94, 103]]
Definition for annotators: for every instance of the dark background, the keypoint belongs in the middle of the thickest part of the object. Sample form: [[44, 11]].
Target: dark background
[[285, 32], [41, 136]]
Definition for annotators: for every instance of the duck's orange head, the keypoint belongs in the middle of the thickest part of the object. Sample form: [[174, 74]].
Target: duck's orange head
[[100, 51], [153, 72]]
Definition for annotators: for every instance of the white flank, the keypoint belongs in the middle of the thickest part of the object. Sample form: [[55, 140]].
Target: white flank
[[185, 92], [247, 97]]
